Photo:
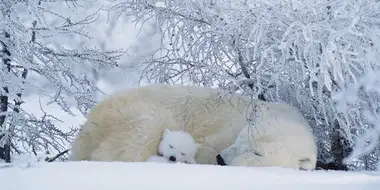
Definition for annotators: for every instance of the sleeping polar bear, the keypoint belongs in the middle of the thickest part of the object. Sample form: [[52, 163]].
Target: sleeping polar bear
[[128, 126]]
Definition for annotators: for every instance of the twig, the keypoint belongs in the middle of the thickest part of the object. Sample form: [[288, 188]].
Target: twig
[[57, 156]]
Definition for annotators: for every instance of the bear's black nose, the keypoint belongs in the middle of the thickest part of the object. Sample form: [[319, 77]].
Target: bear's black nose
[[172, 158], [220, 160]]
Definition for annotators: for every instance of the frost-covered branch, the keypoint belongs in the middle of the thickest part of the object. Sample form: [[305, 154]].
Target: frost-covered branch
[[30, 33], [302, 52]]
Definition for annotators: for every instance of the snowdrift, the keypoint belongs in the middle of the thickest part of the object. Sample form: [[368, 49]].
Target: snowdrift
[[146, 176]]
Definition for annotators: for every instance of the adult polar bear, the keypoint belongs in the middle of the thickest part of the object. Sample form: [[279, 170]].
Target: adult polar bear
[[128, 126]]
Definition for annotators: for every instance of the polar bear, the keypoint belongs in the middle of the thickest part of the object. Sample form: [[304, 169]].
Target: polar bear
[[128, 125], [176, 146]]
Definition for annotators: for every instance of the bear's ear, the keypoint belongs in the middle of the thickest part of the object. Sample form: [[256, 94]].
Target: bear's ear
[[166, 131], [198, 145]]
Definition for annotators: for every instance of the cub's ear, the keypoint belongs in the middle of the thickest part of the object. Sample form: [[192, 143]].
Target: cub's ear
[[198, 145], [166, 131]]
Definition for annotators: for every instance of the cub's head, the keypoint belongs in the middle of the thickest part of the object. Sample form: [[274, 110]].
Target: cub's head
[[178, 146]]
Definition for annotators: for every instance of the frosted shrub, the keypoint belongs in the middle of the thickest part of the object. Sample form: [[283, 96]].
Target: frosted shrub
[[300, 52], [32, 53]]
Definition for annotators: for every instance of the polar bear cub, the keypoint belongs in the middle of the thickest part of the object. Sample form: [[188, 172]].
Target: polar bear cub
[[176, 146]]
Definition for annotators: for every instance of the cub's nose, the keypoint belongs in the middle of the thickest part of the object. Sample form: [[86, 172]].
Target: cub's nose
[[172, 158], [220, 160]]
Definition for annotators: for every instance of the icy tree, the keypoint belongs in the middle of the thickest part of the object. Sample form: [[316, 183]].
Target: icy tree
[[320, 56], [31, 53]]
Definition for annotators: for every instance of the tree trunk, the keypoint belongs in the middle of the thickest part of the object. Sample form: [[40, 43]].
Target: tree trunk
[[5, 143], [5, 146], [338, 146]]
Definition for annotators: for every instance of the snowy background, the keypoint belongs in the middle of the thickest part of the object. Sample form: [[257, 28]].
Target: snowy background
[[208, 43]]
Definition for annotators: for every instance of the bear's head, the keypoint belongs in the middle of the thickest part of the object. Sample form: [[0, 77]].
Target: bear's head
[[178, 146]]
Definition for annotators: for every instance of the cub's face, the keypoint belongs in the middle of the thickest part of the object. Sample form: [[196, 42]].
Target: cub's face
[[175, 153]]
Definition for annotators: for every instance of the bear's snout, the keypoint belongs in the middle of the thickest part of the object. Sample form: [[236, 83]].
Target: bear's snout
[[220, 160], [172, 158]]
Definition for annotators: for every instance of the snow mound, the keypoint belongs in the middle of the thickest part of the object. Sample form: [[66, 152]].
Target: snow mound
[[144, 176]]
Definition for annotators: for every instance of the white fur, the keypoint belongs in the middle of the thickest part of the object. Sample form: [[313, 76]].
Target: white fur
[[128, 126], [178, 145], [280, 137], [158, 159]]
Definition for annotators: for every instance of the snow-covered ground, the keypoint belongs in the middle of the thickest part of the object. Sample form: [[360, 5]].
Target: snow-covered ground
[[145, 176], [29, 174]]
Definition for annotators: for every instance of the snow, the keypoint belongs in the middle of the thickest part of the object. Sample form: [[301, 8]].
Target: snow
[[30, 174], [143, 176]]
